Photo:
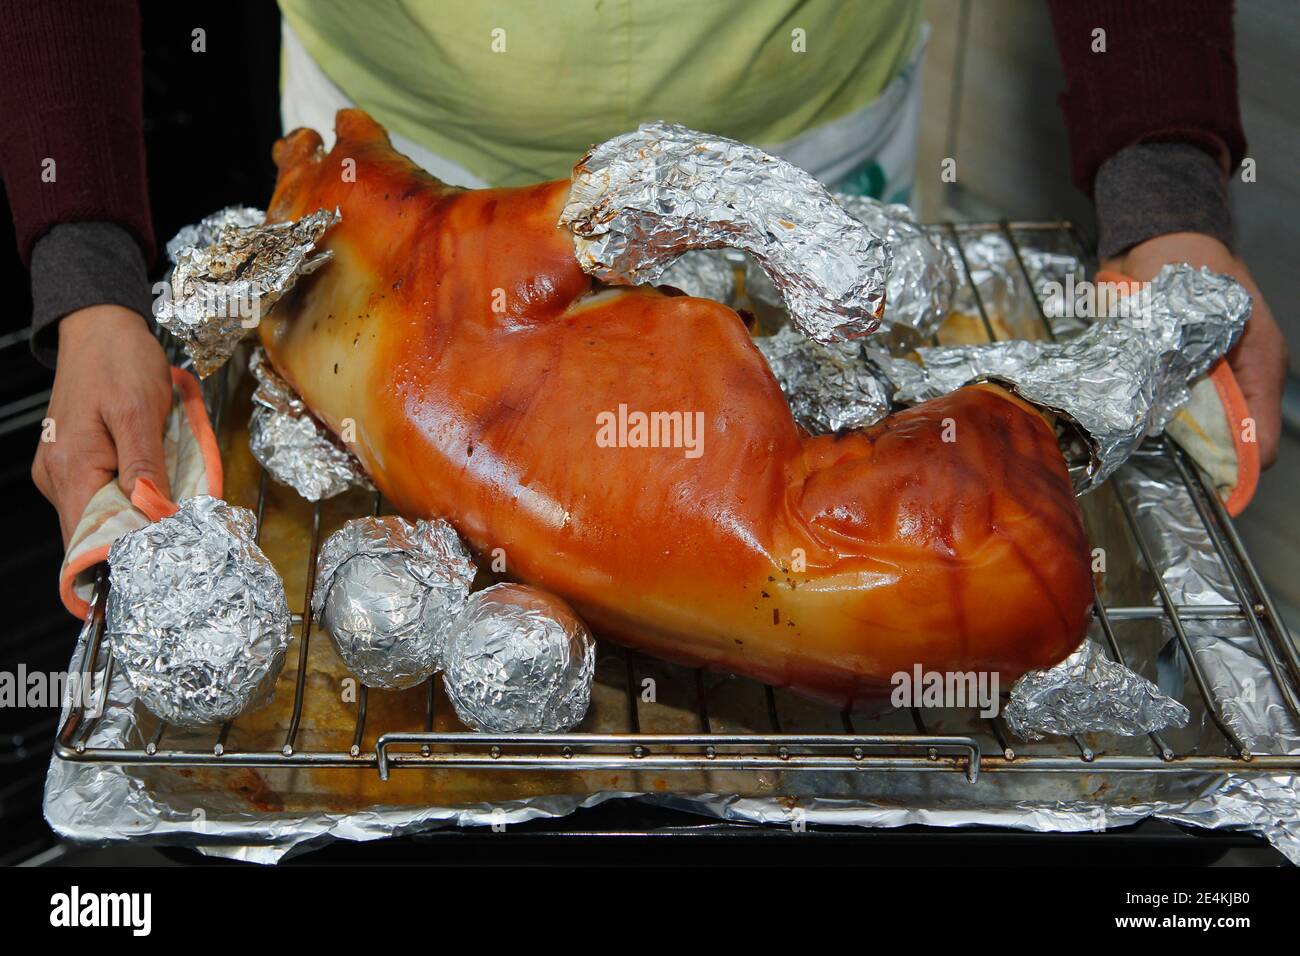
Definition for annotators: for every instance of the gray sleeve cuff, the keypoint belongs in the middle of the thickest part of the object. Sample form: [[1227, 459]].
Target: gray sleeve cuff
[[79, 264], [1151, 189]]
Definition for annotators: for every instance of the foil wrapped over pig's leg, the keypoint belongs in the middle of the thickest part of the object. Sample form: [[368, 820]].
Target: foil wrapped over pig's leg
[[640, 200], [922, 275], [1119, 381]]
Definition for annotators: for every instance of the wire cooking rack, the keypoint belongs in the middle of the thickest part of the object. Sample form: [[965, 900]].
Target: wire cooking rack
[[853, 750]]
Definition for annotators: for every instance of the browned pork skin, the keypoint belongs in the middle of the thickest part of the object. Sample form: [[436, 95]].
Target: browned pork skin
[[456, 333]]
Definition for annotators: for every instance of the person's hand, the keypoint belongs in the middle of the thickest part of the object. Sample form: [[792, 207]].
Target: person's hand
[[1259, 359], [112, 392]]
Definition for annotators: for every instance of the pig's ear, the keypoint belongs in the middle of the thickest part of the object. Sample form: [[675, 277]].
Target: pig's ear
[[356, 128], [298, 157], [301, 146]]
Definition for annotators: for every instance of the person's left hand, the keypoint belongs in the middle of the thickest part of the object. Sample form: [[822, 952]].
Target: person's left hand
[[1259, 360]]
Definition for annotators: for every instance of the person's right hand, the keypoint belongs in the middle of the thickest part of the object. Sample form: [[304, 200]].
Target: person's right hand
[[1259, 360], [112, 392]]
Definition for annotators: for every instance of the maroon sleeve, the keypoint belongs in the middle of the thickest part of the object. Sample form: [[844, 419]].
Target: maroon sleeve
[[1168, 74], [70, 92]]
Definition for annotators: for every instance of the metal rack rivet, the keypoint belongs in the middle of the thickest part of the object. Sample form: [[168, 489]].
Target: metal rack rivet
[[363, 698], [219, 747], [1007, 752]]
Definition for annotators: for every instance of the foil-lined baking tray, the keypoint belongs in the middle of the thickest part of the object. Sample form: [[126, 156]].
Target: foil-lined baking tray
[[1179, 606]]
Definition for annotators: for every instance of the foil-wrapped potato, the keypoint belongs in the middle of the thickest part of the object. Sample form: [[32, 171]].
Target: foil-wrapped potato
[[387, 590], [197, 617], [518, 660]]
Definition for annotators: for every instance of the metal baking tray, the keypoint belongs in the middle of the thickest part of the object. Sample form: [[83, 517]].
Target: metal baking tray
[[711, 722]]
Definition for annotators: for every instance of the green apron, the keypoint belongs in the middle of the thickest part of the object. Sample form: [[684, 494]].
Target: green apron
[[513, 91]]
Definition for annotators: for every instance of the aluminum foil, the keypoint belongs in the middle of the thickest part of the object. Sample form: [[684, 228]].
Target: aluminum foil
[[829, 387], [207, 230], [221, 288], [703, 273], [851, 387], [1118, 382], [1237, 672], [197, 617], [642, 199], [922, 278], [1089, 692], [519, 660], [388, 591], [99, 802], [294, 448]]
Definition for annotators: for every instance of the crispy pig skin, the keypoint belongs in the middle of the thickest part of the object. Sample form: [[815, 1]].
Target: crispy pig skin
[[458, 348]]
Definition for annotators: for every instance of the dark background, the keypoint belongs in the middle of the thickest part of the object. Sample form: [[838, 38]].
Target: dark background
[[210, 121]]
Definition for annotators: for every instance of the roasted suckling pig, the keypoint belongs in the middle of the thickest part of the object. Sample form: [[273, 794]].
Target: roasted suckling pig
[[630, 451]]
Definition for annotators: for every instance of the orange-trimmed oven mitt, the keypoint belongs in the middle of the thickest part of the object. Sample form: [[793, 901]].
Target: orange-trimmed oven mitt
[[193, 464], [1212, 427]]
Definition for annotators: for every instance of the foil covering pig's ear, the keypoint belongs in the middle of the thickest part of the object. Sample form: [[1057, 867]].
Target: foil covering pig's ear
[[228, 271], [642, 199]]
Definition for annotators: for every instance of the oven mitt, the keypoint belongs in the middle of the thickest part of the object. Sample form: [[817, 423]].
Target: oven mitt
[[1211, 428], [193, 464]]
